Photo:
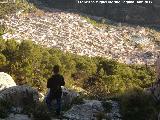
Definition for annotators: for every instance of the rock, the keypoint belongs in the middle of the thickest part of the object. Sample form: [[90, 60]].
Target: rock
[[20, 95], [140, 40], [148, 55], [17, 117], [6, 81], [68, 96], [114, 114], [16, 109], [86, 111]]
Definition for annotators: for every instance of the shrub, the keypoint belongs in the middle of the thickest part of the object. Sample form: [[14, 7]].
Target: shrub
[[9, 8], [95, 88], [137, 103], [32, 64]]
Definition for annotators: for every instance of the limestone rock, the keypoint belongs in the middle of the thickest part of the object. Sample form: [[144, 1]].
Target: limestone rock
[[6, 81], [148, 55], [86, 111], [114, 114], [17, 117], [140, 40], [20, 95], [67, 96]]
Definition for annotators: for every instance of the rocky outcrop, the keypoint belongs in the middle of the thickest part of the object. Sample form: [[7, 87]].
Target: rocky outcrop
[[17, 117], [6, 81], [86, 111], [20, 95], [114, 113], [90, 110], [68, 96]]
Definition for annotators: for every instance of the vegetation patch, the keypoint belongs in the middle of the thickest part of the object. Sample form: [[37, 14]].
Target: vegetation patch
[[137, 103], [11, 7]]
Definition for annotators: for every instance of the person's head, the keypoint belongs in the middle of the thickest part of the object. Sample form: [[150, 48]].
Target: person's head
[[56, 69]]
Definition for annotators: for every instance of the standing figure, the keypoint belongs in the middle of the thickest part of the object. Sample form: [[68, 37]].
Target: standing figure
[[158, 70], [54, 83]]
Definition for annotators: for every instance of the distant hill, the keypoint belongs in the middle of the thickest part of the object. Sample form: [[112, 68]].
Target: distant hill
[[143, 13]]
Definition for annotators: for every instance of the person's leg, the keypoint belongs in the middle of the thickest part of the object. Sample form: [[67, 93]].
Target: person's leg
[[48, 101], [58, 105]]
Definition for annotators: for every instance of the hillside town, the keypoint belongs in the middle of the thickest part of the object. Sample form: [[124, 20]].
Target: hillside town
[[74, 33]]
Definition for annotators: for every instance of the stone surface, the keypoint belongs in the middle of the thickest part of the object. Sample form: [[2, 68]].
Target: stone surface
[[114, 114], [6, 81], [19, 95], [17, 117], [91, 108], [68, 95], [86, 111]]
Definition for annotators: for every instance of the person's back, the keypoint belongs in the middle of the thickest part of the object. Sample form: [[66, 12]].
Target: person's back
[[54, 83]]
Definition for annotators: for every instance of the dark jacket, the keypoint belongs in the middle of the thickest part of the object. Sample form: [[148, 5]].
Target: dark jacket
[[55, 83]]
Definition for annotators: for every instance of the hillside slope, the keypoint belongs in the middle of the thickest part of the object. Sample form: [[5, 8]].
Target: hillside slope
[[72, 32]]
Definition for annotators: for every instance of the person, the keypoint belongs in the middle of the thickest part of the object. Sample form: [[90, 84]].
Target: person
[[54, 83], [158, 69]]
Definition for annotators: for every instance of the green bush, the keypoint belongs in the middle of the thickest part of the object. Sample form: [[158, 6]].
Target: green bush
[[9, 8], [31, 64], [136, 104]]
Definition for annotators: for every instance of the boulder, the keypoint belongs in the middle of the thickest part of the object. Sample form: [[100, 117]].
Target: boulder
[[148, 55], [6, 81], [143, 40], [114, 113], [20, 95], [86, 111], [68, 96], [17, 117]]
